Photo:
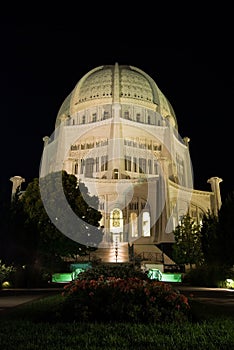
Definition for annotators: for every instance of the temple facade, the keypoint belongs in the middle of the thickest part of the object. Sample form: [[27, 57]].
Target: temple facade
[[118, 134]]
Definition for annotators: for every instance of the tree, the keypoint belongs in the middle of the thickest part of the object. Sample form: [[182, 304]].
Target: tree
[[209, 238], [225, 231], [29, 238], [4, 214], [53, 243], [17, 242], [187, 246], [217, 234]]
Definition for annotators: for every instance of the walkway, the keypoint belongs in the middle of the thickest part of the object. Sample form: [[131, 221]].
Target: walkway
[[220, 296], [13, 297]]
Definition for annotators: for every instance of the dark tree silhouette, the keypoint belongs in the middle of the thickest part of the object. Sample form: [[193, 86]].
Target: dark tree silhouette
[[187, 246], [29, 236]]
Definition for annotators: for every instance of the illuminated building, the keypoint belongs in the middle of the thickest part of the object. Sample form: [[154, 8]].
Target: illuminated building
[[118, 134]]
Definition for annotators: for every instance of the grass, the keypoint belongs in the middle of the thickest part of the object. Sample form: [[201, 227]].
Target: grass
[[36, 326], [27, 335], [202, 311]]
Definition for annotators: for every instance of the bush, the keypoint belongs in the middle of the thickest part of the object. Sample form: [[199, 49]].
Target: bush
[[208, 276], [113, 270], [5, 272], [29, 276], [130, 299]]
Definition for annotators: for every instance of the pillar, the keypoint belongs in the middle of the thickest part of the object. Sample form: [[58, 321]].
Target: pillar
[[215, 181], [17, 181]]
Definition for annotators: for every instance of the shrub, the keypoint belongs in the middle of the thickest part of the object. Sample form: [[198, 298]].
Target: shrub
[[129, 299], [30, 276], [208, 276], [113, 270], [5, 272]]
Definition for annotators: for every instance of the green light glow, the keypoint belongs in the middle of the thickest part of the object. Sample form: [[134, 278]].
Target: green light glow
[[230, 283], [164, 277], [65, 277], [76, 272], [171, 277], [6, 284], [83, 266], [62, 277]]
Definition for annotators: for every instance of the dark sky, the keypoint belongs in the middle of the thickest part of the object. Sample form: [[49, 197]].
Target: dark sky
[[41, 63]]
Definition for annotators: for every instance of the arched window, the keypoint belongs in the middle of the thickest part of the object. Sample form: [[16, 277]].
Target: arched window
[[116, 220], [76, 168], [146, 224], [89, 164], [133, 224]]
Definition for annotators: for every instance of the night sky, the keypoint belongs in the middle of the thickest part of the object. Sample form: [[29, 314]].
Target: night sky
[[42, 62]]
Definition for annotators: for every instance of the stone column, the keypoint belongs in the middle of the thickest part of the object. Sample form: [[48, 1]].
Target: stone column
[[46, 140], [186, 141], [17, 181], [163, 197], [215, 181], [116, 145]]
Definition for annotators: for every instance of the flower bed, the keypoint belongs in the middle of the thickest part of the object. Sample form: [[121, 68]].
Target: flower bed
[[108, 299]]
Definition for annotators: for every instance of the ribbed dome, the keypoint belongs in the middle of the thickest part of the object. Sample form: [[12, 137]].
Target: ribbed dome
[[116, 84]]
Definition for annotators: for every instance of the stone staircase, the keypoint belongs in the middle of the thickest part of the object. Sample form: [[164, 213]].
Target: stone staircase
[[111, 253], [144, 251]]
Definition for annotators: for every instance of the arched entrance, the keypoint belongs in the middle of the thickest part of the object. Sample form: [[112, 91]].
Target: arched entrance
[[116, 225]]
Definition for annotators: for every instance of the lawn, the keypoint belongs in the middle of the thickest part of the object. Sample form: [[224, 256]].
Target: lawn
[[35, 326]]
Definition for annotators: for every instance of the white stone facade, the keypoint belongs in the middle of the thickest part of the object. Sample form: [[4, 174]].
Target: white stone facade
[[118, 134]]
